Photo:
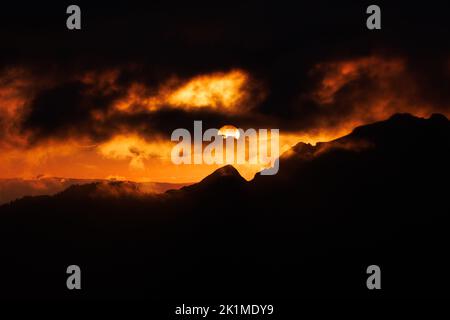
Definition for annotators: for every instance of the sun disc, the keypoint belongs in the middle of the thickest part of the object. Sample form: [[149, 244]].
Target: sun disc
[[229, 131]]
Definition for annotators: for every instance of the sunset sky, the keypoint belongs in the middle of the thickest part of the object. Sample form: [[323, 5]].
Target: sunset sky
[[102, 102]]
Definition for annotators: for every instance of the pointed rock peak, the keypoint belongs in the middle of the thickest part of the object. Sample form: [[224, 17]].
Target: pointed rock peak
[[226, 176], [227, 170]]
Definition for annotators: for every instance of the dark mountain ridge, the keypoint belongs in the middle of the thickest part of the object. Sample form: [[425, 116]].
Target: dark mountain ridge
[[375, 196]]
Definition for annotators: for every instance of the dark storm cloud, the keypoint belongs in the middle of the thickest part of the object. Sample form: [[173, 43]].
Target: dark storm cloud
[[277, 43], [64, 110], [164, 121]]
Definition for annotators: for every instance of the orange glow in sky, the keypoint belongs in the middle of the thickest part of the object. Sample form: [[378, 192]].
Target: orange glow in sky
[[218, 90], [131, 156]]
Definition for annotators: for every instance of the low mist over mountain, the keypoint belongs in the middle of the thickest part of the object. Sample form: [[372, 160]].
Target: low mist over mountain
[[376, 196], [12, 189]]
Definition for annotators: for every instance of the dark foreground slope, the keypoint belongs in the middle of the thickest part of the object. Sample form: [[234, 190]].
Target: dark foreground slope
[[377, 196]]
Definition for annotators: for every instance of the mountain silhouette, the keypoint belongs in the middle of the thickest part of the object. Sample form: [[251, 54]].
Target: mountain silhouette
[[221, 180], [376, 196]]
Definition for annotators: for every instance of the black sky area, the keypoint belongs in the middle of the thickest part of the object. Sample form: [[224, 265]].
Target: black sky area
[[218, 34]]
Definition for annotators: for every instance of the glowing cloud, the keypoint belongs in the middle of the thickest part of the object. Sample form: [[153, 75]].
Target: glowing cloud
[[220, 91], [217, 90], [338, 74], [133, 148]]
